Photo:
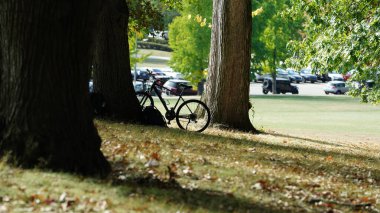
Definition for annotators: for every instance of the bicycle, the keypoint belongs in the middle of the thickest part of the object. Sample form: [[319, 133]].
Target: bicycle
[[191, 115]]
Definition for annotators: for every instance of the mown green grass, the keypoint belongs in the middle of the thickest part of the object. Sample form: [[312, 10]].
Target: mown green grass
[[326, 117], [216, 171]]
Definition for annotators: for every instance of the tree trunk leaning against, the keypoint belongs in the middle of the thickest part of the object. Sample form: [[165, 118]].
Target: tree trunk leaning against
[[44, 67], [227, 91], [112, 71]]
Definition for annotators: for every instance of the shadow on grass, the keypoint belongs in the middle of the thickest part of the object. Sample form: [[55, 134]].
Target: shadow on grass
[[178, 133], [312, 166], [210, 200], [302, 138], [195, 199]]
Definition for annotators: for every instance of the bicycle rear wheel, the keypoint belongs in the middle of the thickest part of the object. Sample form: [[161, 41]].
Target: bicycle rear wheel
[[144, 99], [193, 115]]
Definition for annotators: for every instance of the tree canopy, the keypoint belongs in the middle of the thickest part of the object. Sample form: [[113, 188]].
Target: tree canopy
[[271, 33], [341, 35], [190, 36]]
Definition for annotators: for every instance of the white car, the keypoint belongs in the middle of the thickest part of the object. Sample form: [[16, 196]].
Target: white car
[[336, 87]]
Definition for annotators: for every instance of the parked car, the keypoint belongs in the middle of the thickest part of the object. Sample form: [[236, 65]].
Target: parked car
[[294, 76], [174, 75], [335, 76], [336, 87], [141, 74], [138, 86], [307, 75], [282, 86], [259, 77], [163, 78], [149, 84], [173, 87], [156, 71], [323, 77], [281, 73], [348, 75]]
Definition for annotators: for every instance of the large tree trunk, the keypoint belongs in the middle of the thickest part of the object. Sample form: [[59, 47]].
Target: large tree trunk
[[227, 91], [112, 71], [44, 67]]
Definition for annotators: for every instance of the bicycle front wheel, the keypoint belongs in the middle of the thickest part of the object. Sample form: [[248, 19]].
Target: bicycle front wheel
[[193, 115], [144, 99]]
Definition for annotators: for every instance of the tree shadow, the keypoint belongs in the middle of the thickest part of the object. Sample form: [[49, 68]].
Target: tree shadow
[[305, 150], [171, 192], [308, 164], [302, 138]]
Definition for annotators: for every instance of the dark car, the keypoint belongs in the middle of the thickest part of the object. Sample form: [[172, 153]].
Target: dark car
[[323, 77], [260, 78], [174, 87], [156, 71], [163, 78], [282, 85], [281, 73], [141, 74], [294, 76], [307, 75]]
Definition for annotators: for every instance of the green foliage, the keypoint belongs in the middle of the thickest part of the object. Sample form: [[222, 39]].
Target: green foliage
[[168, 16], [190, 37], [271, 33], [145, 14], [341, 35]]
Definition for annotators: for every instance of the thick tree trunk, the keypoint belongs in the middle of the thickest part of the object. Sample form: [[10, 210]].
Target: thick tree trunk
[[227, 91], [45, 61], [112, 71]]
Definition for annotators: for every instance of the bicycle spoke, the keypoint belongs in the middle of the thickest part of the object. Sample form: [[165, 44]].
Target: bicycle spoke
[[189, 117]]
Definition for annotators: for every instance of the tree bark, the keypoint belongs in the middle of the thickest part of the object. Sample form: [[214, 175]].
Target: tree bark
[[44, 67], [227, 91], [112, 71]]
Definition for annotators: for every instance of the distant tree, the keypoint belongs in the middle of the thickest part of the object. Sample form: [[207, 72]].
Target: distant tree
[[272, 31], [44, 70], [341, 35], [190, 36], [227, 90]]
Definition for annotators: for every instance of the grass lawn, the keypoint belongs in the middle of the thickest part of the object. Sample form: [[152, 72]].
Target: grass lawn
[[333, 118], [170, 170], [154, 62]]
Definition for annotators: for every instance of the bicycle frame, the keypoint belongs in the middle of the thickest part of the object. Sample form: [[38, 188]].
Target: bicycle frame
[[154, 88]]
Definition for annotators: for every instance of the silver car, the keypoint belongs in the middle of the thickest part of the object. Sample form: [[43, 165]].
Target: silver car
[[336, 87]]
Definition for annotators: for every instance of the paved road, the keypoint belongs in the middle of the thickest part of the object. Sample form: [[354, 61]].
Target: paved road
[[315, 89]]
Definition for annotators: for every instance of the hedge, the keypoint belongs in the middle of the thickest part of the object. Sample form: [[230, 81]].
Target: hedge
[[155, 46]]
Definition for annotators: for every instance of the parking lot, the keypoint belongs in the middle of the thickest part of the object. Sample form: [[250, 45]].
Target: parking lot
[[308, 89]]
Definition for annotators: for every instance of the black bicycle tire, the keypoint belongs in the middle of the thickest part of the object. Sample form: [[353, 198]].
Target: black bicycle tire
[[203, 105], [145, 94]]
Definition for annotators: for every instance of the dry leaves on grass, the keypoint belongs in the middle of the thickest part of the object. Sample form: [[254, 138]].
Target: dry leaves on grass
[[40, 202]]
